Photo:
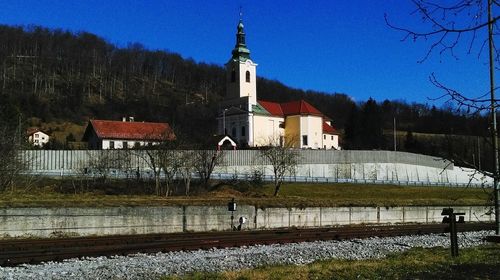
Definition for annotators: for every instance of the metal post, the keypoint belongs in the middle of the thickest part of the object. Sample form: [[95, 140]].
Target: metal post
[[494, 120], [224, 122], [394, 133], [478, 154], [453, 235]]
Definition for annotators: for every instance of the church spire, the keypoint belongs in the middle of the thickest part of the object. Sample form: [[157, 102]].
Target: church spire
[[240, 51]]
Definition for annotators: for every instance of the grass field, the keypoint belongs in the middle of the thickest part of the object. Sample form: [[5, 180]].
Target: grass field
[[291, 195], [435, 263]]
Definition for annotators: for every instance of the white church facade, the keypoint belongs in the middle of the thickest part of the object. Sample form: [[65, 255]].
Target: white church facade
[[256, 123]]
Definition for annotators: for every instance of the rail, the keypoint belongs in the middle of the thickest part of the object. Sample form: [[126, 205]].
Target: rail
[[15, 252]]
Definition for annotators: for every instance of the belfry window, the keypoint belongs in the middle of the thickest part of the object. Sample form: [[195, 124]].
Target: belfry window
[[248, 76], [233, 76]]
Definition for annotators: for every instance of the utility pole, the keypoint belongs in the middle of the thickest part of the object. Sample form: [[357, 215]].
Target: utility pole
[[478, 154], [494, 134], [394, 133]]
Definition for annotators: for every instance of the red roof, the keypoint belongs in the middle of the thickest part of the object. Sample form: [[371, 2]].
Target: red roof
[[328, 129], [272, 107], [32, 130], [298, 107], [132, 130]]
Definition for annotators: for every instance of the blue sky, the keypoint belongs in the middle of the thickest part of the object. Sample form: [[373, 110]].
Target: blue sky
[[324, 45]]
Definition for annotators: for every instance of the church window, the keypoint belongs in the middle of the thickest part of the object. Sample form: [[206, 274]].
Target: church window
[[233, 76], [304, 140], [243, 131], [248, 76], [233, 132]]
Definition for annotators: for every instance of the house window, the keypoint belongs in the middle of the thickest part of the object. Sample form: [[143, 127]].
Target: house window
[[324, 147], [243, 131], [233, 76], [36, 135], [124, 145], [248, 76], [324, 137], [304, 140], [111, 144], [332, 137]]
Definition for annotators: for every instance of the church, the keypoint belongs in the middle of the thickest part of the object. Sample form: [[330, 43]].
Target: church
[[257, 123]]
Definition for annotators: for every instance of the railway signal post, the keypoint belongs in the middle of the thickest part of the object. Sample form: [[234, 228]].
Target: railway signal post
[[451, 219]]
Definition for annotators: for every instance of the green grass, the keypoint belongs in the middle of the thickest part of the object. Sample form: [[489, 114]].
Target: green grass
[[291, 195], [435, 263], [378, 195]]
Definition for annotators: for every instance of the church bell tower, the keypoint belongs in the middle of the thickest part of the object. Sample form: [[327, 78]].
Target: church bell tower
[[241, 71]]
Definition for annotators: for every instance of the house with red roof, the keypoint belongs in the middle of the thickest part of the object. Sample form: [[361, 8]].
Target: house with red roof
[[254, 123], [105, 134]]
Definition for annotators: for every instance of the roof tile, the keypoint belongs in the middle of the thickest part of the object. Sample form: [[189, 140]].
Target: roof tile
[[132, 130]]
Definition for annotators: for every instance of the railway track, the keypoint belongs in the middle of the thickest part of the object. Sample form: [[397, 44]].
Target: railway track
[[15, 252]]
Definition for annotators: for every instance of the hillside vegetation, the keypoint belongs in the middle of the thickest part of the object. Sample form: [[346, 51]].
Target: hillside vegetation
[[58, 80]]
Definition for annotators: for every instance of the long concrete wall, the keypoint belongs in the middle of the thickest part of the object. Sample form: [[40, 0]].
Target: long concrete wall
[[47, 222], [78, 159], [314, 165]]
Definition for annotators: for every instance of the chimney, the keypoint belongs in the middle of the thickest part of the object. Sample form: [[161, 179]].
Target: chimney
[[131, 119]]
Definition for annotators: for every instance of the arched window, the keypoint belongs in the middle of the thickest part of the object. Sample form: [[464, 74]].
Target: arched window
[[233, 76], [233, 131], [248, 76]]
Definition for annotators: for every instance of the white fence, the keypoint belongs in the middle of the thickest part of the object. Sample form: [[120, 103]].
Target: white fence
[[78, 159], [376, 167]]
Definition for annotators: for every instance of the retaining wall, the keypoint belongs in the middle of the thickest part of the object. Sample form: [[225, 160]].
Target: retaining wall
[[321, 165], [46, 222]]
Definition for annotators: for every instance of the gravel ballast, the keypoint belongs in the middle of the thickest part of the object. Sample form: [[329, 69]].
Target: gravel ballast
[[150, 266]]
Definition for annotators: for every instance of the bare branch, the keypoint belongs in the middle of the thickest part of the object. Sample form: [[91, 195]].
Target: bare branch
[[474, 104]]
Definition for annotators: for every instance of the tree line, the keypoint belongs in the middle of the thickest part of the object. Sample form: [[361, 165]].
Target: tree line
[[53, 74]]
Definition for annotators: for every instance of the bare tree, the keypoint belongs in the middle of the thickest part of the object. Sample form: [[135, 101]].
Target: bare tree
[[451, 27], [204, 164], [447, 27], [11, 164], [282, 158], [187, 167], [103, 163], [170, 161], [152, 157]]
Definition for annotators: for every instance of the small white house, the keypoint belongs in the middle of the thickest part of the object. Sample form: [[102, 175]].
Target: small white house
[[37, 137]]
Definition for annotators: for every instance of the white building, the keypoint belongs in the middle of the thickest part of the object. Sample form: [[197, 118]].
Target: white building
[[37, 137], [104, 135], [256, 122]]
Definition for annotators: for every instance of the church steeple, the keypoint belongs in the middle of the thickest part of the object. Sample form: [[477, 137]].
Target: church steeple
[[241, 71], [240, 51]]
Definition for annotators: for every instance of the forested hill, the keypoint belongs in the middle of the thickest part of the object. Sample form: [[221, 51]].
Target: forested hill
[[64, 76]]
